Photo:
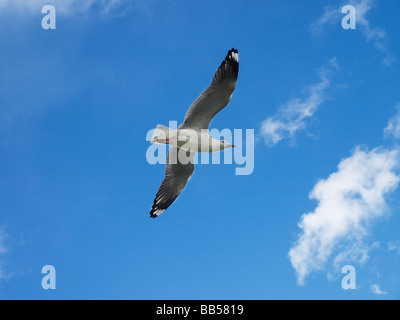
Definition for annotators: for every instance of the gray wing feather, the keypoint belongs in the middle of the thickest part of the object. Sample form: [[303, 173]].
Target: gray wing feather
[[176, 177], [216, 96]]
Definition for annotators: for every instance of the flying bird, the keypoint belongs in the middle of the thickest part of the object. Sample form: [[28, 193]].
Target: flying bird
[[192, 136]]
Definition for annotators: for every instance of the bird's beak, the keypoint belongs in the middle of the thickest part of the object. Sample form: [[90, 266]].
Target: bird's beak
[[233, 146]]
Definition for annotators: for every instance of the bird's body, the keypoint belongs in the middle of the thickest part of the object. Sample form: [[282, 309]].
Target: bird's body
[[192, 136], [191, 140], [198, 141]]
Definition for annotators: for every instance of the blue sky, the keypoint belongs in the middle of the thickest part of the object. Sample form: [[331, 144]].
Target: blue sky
[[77, 102]]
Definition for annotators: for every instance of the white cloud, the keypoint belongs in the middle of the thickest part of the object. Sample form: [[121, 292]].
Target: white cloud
[[62, 6], [393, 128], [349, 200], [293, 115], [376, 35], [377, 290]]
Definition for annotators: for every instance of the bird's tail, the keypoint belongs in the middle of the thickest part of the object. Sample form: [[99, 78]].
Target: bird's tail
[[162, 134]]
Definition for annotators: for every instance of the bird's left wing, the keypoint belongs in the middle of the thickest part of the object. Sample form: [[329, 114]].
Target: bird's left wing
[[177, 174], [216, 96]]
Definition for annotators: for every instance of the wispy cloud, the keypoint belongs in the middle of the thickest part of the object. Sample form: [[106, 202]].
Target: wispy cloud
[[3, 236], [370, 33], [377, 290], [376, 35], [331, 16], [393, 127], [394, 246], [349, 200], [62, 6], [3, 251], [293, 115]]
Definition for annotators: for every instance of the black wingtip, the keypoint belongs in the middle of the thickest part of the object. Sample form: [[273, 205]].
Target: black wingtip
[[232, 60], [233, 50], [152, 214], [229, 55]]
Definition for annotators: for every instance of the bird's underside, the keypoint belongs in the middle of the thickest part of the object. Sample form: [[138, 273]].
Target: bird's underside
[[198, 117]]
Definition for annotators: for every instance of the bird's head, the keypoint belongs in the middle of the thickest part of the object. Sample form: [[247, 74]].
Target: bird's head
[[225, 145]]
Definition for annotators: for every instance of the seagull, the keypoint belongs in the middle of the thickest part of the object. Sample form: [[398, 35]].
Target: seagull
[[192, 135]]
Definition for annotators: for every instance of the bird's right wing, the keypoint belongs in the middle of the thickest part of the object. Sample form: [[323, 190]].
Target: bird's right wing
[[177, 174], [216, 96]]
